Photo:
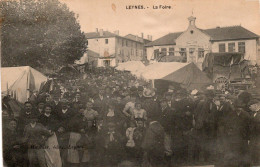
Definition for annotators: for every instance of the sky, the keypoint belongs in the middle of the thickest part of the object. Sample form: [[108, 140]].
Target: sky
[[112, 15]]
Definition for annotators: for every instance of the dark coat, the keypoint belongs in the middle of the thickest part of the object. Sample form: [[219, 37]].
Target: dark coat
[[49, 122], [165, 118]]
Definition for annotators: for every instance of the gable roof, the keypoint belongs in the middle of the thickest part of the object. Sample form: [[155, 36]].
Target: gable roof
[[229, 33], [216, 34], [168, 39], [133, 37]]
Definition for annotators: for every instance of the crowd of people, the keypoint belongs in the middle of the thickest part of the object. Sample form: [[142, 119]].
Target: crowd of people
[[110, 118]]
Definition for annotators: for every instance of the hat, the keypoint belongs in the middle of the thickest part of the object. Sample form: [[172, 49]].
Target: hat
[[148, 92], [64, 101]]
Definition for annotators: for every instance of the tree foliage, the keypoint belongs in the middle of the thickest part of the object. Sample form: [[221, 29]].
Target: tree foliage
[[40, 33]]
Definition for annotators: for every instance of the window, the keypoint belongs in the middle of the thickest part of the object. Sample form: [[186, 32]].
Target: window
[[241, 47], [122, 42], [222, 47], [126, 43], [200, 52], [132, 51], [163, 52], [118, 41], [156, 53], [171, 51], [106, 41], [231, 47], [183, 53]]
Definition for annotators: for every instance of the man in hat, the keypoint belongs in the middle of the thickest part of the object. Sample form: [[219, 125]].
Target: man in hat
[[149, 104], [254, 106], [35, 135], [236, 137], [206, 125]]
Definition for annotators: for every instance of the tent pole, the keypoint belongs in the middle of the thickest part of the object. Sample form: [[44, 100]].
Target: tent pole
[[153, 83]]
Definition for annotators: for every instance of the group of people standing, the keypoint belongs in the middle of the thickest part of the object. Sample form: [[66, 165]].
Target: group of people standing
[[109, 118]]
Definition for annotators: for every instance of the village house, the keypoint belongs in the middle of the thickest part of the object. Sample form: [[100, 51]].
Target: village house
[[109, 49], [194, 43]]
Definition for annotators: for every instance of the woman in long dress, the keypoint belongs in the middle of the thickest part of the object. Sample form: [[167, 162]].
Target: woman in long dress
[[52, 153]]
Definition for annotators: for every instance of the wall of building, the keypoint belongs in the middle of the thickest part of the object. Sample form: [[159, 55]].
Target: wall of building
[[150, 50], [193, 38], [99, 46], [250, 48], [128, 50]]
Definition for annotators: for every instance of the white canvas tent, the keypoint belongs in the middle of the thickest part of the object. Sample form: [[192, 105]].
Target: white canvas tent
[[132, 66], [159, 70], [20, 81]]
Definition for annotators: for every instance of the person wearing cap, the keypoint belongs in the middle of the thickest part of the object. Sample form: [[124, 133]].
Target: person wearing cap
[[236, 136], [35, 135], [254, 106]]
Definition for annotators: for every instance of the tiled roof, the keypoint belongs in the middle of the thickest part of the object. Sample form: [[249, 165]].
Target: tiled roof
[[106, 34], [168, 39], [133, 37], [216, 34], [229, 33]]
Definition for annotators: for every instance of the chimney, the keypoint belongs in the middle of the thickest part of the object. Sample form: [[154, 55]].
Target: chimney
[[96, 30], [142, 35], [101, 33], [192, 20], [148, 37], [136, 38], [218, 27], [151, 38]]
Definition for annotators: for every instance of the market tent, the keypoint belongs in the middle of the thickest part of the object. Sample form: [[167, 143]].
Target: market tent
[[159, 70], [189, 77], [21, 81], [132, 66]]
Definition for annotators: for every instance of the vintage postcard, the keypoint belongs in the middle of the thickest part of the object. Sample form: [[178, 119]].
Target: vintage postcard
[[130, 83]]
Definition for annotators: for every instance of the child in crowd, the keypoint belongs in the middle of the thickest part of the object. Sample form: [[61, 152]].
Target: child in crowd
[[130, 145]]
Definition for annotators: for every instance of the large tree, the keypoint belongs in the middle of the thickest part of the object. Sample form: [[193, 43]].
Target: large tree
[[40, 33]]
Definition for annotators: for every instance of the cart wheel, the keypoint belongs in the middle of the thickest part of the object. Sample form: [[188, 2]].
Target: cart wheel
[[222, 83]]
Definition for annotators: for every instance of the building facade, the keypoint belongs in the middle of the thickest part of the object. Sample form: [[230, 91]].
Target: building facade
[[194, 43], [109, 49]]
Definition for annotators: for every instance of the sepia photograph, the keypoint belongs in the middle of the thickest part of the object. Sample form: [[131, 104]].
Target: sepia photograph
[[130, 83]]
